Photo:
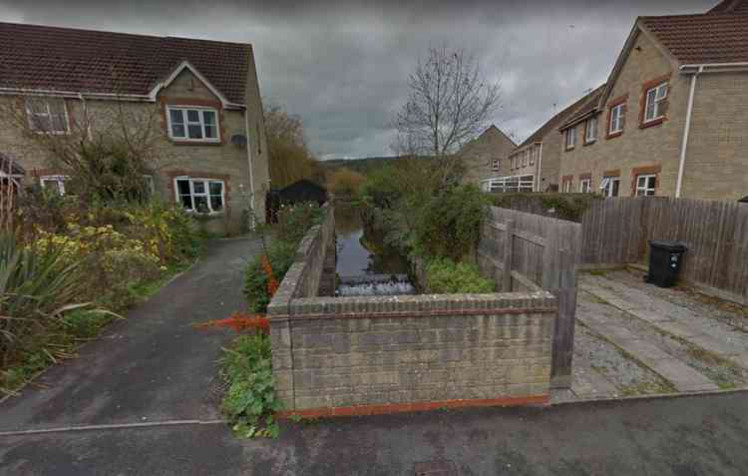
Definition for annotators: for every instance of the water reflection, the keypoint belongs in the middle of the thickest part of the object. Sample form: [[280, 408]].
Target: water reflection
[[359, 253]]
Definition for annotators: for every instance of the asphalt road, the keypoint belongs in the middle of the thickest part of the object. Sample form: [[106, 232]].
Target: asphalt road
[[684, 436], [155, 368]]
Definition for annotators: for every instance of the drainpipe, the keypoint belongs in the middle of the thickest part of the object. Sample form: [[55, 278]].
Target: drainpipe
[[251, 174], [540, 161], [686, 130]]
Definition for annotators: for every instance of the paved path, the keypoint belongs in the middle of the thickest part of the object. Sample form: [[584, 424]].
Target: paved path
[[705, 435], [153, 366]]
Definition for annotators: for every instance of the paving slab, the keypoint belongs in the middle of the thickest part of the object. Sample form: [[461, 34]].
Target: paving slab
[[679, 321], [683, 377]]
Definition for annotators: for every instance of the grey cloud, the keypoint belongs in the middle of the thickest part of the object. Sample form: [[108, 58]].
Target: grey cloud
[[342, 66]]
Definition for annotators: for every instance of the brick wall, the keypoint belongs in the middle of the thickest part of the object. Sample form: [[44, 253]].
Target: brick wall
[[477, 156], [394, 353], [358, 355]]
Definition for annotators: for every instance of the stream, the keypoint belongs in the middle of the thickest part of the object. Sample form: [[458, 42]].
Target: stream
[[365, 266]]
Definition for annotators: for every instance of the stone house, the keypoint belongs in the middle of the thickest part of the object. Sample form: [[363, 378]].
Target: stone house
[[535, 164], [485, 157], [672, 119], [202, 97]]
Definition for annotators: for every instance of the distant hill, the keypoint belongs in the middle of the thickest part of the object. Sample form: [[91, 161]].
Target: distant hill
[[362, 166]]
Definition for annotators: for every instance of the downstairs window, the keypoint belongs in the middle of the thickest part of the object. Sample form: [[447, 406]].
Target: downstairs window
[[200, 195]]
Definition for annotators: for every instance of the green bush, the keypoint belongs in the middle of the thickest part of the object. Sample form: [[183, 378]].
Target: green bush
[[35, 283], [250, 400], [295, 220], [444, 276], [449, 225], [566, 206], [280, 255], [85, 324]]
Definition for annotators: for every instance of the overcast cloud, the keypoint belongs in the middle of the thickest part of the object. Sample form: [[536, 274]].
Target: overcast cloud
[[343, 66]]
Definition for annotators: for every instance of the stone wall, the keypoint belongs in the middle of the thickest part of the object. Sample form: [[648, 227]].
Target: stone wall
[[381, 354]]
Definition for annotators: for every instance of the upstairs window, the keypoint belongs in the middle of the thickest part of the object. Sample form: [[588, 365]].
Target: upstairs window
[[571, 137], [590, 131], [655, 102], [616, 119], [495, 163], [193, 124], [200, 195], [47, 115], [533, 153]]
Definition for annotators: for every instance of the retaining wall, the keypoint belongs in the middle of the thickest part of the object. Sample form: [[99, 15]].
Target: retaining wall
[[381, 354]]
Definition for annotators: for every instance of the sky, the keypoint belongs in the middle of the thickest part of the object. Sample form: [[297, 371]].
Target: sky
[[343, 66]]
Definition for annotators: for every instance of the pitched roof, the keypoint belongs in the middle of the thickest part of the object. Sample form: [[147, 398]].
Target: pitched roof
[[718, 36], [590, 105], [558, 119], [67, 59]]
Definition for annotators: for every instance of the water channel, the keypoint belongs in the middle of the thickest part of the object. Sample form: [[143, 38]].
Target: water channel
[[365, 266]]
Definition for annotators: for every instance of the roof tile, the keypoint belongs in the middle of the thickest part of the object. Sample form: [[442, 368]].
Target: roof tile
[[67, 59]]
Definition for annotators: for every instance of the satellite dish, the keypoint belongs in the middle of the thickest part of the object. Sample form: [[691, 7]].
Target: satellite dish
[[239, 140]]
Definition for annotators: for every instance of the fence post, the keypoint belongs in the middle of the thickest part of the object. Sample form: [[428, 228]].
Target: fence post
[[506, 283]]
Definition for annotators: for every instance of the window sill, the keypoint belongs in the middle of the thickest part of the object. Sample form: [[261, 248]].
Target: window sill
[[567, 149], [652, 123], [589, 142], [208, 215], [194, 142], [613, 135]]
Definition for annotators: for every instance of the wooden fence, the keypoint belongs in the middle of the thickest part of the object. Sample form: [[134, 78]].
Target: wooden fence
[[522, 251], [618, 231]]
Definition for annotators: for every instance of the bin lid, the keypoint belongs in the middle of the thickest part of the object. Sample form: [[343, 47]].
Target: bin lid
[[668, 245]]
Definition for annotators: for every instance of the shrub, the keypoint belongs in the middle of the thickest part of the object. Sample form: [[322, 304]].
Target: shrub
[[36, 283], [449, 225], [381, 189], [566, 206], [250, 400], [444, 276], [295, 220], [280, 255], [345, 183]]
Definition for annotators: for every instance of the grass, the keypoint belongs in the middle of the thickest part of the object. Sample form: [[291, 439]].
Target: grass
[[75, 328], [646, 388]]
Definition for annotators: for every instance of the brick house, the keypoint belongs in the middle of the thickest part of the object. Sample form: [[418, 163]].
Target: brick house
[[535, 164], [672, 119], [203, 95], [486, 156]]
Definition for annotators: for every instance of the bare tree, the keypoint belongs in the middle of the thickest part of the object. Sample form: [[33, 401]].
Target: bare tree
[[450, 103], [107, 153], [290, 158]]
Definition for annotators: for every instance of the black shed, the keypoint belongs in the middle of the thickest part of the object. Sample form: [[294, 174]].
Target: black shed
[[303, 191]]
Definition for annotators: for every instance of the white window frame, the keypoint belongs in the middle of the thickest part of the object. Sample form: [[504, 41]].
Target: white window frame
[[606, 186], [206, 194], [57, 179], [585, 185], [567, 185], [570, 140], [201, 110], [616, 117], [495, 165], [533, 153], [644, 189], [48, 114], [591, 126], [660, 94]]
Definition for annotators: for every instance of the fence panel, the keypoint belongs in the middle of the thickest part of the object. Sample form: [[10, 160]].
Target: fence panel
[[546, 252], [618, 231]]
